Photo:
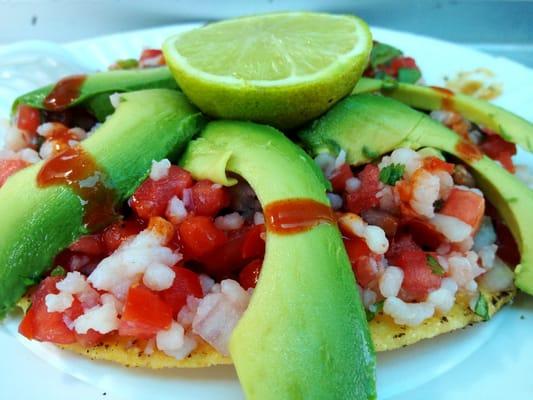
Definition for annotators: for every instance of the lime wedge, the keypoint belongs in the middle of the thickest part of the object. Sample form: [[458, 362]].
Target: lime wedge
[[280, 69]]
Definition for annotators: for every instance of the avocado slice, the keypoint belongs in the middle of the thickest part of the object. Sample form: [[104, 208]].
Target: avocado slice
[[509, 126], [304, 335], [96, 88], [37, 223], [367, 126]]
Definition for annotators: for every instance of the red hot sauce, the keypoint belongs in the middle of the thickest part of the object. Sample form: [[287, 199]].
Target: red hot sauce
[[447, 99], [64, 93], [296, 215], [76, 169]]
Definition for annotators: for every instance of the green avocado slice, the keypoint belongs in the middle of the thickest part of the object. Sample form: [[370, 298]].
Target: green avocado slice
[[367, 126], [95, 91], [509, 126], [37, 223], [304, 335]]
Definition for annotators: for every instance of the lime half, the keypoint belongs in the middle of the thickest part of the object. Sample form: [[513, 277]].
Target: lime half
[[280, 69]]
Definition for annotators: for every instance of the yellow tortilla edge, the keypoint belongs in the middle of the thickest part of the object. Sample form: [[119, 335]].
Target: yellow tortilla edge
[[386, 334]]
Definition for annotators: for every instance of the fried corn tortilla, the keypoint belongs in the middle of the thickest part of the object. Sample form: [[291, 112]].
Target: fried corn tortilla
[[386, 334]]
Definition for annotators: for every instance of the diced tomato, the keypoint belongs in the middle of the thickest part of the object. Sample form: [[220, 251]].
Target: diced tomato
[[365, 197], [418, 279], [9, 167], [39, 324], [91, 245], [507, 247], [28, 119], [148, 55], [241, 247], [465, 205], [152, 197], [423, 233], [500, 150], [434, 164], [73, 261], [92, 337], [362, 260], [254, 244], [115, 234], [249, 275], [200, 236], [383, 219], [208, 199], [145, 313], [397, 63], [340, 176], [186, 283]]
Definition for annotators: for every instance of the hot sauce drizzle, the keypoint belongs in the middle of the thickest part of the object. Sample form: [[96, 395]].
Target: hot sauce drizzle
[[468, 151], [447, 99], [64, 93], [77, 170], [296, 215]]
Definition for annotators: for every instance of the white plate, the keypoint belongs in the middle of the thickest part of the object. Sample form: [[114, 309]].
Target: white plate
[[490, 360]]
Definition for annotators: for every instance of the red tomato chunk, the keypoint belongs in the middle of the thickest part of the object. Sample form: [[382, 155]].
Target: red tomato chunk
[[145, 313], [365, 197], [418, 279], [152, 197], [186, 283], [249, 275], [200, 236], [208, 199]]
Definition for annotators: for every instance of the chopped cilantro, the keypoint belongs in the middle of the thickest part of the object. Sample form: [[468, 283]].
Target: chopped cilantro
[[58, 271], [368, 153], [436, 268], [383, 53], [438, 204], [482, 307], [389, 83], [374, 310], [392, 174], [129, 63], [409, 75]]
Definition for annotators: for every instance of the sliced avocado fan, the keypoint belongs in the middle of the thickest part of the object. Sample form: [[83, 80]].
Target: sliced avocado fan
[[304, 334], [36, 223], [509, 126], [367, 126], [96, 88]]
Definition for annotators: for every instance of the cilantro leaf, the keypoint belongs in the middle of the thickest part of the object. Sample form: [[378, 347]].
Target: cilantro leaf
[[409, 75], [392, 174], [383, 53], [482, 307], [436, 268], [374, 310], [58, 271]]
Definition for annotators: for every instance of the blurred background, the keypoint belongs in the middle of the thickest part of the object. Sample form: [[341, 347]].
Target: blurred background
[[499, 27]]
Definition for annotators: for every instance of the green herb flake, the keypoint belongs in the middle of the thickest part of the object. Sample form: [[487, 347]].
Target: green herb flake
[[409, 75], [389, 83], [369, 153], [58, 271], [436, 268], [374, 310], [482, 307], [129, 63], [383, 53], [438, 204], [392, 174]]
